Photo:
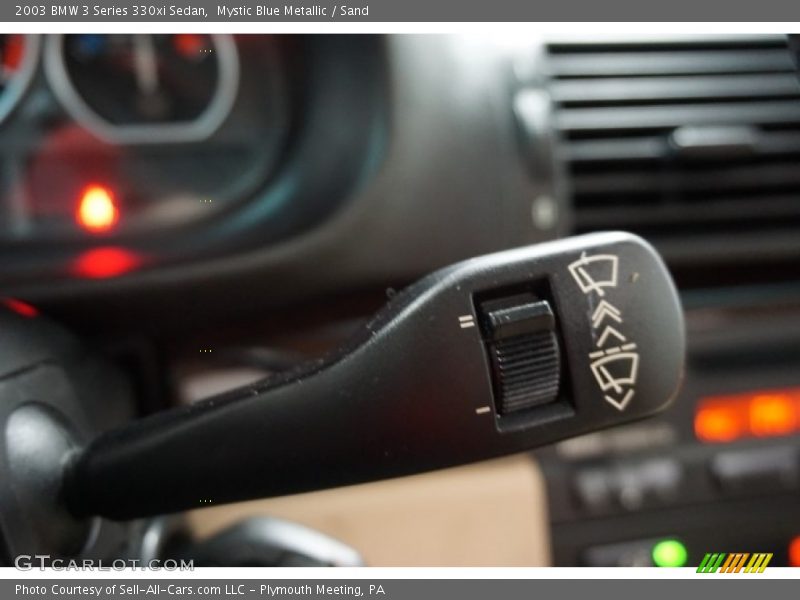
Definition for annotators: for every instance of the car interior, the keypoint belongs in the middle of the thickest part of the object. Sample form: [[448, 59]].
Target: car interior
[[264, 298]]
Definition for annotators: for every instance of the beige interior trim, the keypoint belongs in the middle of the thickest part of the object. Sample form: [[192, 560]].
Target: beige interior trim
[[488, 514]]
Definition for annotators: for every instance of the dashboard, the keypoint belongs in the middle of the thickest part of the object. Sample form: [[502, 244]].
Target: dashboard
[[163, 192], [128, 152]]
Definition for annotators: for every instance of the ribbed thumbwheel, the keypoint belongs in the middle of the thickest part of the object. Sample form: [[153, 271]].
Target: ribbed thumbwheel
[[524, 353], [528, 370]]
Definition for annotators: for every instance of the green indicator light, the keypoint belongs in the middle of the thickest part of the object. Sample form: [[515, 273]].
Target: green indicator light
[[670, 553]]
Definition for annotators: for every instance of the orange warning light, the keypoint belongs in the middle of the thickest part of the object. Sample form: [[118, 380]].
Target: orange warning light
[[773, 415], [718, 423], [755, 414]]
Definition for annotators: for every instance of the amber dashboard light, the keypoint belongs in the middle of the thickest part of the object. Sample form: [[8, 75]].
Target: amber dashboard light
[[717, 421], [755, 414], [97, 209], [774, 414]]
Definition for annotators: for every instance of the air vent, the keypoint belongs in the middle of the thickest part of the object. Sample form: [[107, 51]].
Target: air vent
[[690, 142]]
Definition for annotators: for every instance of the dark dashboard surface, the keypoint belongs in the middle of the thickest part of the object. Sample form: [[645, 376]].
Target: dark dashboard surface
[[331, 162]]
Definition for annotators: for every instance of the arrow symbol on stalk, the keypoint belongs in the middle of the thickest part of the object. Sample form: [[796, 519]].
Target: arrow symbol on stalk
[[603, 310]]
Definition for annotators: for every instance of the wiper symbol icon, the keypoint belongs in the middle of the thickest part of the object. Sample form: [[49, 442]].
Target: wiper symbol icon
[[593, 273]]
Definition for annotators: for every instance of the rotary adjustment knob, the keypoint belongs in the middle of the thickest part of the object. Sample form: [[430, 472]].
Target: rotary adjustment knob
[[523, 351]]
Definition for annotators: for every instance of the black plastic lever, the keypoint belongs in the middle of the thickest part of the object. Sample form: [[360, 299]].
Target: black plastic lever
[[491, 356]]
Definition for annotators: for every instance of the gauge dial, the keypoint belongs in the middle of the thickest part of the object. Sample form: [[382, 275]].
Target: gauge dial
[[145, 88], [18, 55]]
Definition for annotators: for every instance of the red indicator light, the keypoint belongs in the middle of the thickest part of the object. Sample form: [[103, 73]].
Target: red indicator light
[[97, 209], [189, 45], [756, 414], [21, 308], [14, 50], [105, 262], [794, 552]]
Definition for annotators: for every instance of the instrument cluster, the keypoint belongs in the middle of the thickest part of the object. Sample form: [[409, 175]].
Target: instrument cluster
[[110, 136]]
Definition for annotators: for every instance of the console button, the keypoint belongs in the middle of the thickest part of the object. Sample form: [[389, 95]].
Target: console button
[[757, 470]]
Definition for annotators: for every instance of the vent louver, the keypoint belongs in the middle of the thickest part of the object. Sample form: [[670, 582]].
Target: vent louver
[[694, 143]]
